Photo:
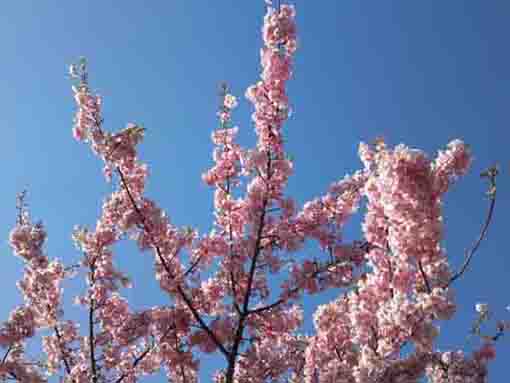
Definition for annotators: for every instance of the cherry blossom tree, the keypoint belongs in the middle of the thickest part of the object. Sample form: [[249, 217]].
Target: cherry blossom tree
[[396, 280]]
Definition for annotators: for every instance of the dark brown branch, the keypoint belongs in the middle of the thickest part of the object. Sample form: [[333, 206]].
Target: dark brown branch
[[199, 319], [424, 276], [338, 355], [269, 306], [64, 358], [246, 301], [180, 290], [323, 268], [6, 354], [91, 329], [231, 274], [192, 266], [140, 357], [253, 265]]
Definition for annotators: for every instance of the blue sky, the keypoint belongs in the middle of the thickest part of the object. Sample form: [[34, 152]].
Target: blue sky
[[416, 72]]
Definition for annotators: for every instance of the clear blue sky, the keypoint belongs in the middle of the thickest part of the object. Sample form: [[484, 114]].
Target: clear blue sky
[[418, 72]]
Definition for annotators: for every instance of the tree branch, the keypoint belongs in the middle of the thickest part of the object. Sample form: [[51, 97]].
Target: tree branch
[[180, 290], [66, 363], [91, 328], [140, 357], [491, 174], [424, 276], [246, 301]]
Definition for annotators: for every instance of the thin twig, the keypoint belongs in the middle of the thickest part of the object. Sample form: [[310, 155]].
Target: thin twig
[[491, 175]]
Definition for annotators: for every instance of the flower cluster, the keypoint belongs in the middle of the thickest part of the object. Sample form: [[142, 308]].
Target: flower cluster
[[41, 290], [407, 290], [269, 95]]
